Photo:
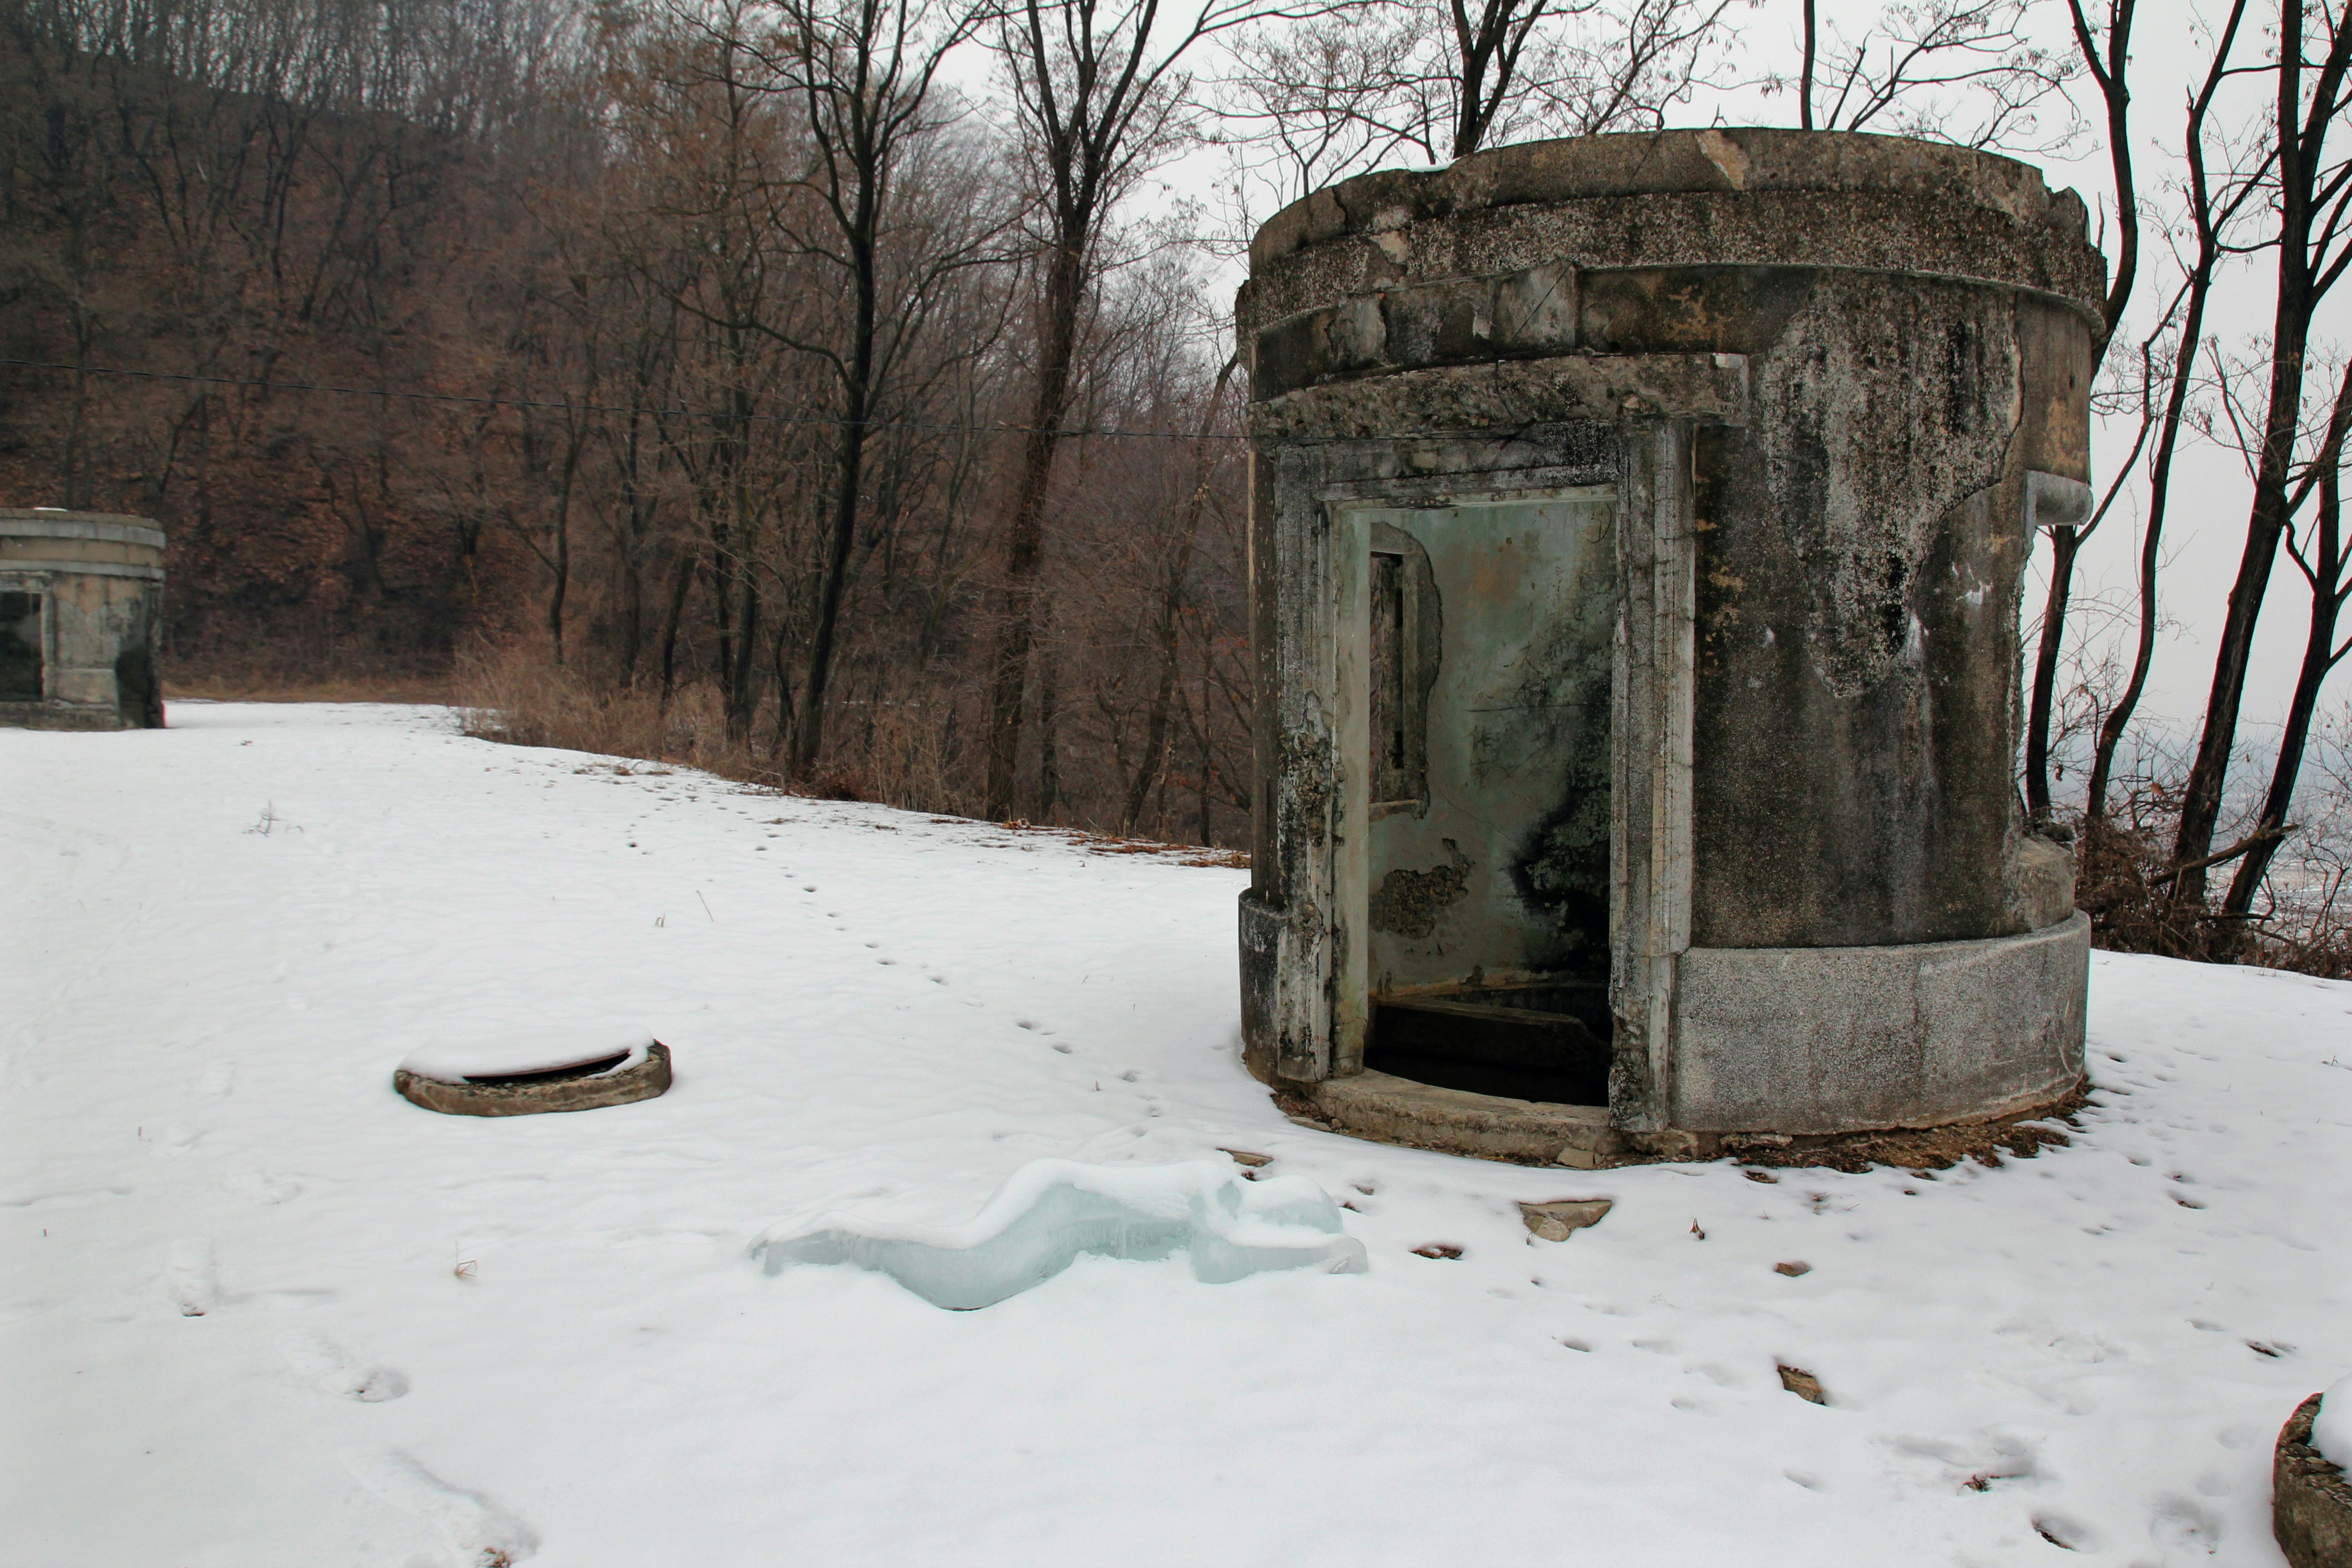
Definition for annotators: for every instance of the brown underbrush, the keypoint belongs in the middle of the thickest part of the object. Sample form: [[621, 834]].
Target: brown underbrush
[[520, 697], [304, 670], [2124, 880]]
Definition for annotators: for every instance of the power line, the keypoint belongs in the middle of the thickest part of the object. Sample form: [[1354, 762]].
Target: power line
[[795, 419]]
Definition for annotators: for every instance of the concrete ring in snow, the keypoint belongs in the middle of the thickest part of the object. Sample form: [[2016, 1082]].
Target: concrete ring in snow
[[582, 1085], [2311, 1506]]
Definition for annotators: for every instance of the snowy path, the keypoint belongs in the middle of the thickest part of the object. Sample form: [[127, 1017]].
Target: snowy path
[[233, 1329]]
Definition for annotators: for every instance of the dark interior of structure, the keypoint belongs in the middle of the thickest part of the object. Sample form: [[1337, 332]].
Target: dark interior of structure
[[20, 647], [1537, 1042]]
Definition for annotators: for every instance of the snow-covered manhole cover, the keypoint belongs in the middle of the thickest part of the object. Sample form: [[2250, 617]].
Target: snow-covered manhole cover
[[525, 1077]]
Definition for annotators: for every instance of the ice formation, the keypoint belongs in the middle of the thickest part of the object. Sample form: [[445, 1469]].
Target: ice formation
[[2331, 1429], [457, 1061], [1050, 1211]]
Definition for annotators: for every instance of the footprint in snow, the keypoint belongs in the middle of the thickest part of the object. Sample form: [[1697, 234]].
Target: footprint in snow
[[70, 1197], [326, 1366], [220, 1079], [477, 1531], [263, 1186], [173, 1140], [188, 1282], [2183, 1524]]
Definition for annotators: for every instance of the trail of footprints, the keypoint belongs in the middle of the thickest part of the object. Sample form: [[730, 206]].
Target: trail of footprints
[[319, 1363], [1153, 1105], [474, 1531], [477, 1531]]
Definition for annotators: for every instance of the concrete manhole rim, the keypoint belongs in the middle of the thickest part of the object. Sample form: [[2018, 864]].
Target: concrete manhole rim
[[643, 1080], [2311, 1503]]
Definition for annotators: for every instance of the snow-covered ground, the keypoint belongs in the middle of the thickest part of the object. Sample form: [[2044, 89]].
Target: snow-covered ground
[[254, 1309]]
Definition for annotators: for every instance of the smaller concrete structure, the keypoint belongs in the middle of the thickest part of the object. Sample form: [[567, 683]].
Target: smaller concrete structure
[[82, 611]]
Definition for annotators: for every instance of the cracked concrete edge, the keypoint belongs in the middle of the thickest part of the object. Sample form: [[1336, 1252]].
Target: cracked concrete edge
[[1390, 1110]]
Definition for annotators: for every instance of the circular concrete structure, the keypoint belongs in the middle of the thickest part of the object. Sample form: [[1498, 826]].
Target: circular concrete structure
[[81, 617], [1638, 529]]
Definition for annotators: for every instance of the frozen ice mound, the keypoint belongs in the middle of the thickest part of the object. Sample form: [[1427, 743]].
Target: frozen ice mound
[[1050, 1211], [457, 1061], [2331, 1429]]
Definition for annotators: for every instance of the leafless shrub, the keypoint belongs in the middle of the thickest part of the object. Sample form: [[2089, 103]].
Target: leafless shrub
[[2129, 882]]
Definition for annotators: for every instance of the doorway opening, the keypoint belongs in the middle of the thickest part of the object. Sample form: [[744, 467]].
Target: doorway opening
[[1476, 712], [20, 647]]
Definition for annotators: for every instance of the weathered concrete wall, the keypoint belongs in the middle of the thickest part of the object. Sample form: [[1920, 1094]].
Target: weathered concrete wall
[[85, 595], [1863, 548], [1837, 381]]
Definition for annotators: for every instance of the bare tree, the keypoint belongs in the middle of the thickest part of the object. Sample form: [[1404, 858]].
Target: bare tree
[[2318, 554], [2310, 191], [702, 108], [1098, 87], [2110, 71], [1948, 70], [864, 71], [2213, 210], [1381, 80]]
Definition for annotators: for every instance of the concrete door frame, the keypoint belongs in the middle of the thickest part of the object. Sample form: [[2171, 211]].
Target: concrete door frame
[[1349, 524]]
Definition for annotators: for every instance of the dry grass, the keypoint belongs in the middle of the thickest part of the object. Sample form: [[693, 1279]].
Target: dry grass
[[526, 701], [219, 690], [520, 699], [289, 678]]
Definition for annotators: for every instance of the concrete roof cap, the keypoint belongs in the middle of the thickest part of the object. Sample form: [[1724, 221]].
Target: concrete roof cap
[[1744, 159]]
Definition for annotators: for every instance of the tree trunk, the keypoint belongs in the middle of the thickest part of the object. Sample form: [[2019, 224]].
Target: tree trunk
[[1805, 76], [738, 659], [2200, 287], [1025, 524], [2320, 655], [2201, 807], [560, 556], [677, 591], [856, 390], [1049, 739], [2064, 544], [1172, 600]]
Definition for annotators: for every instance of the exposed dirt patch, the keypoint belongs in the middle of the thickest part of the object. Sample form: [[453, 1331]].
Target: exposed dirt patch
[[2023, 1135]]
